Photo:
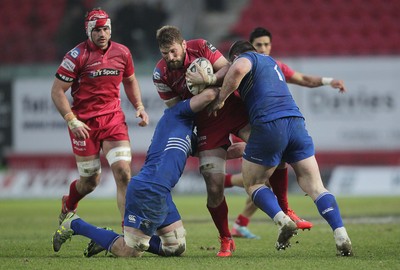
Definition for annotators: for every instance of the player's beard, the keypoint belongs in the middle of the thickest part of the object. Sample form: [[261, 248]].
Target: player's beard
[[177, 64]]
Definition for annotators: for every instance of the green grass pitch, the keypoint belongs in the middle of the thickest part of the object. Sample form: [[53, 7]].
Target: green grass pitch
[[373, 223]]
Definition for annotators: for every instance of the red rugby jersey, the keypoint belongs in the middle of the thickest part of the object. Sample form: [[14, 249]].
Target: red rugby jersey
[[172, 83], [96, 77]]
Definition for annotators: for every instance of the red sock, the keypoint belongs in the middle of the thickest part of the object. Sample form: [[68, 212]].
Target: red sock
[[242, 220], [74, 197], [219, 215], [279, 182], [228, 181]]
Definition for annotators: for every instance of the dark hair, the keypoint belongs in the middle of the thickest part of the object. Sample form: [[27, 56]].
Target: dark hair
[[239, 47], [167, 35], [259, 32]]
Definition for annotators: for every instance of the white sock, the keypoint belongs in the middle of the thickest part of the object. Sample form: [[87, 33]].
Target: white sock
[[340, 233], [281, 219]]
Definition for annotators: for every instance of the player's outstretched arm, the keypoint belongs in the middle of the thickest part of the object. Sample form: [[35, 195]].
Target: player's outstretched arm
[[315, 81], [200, 101]]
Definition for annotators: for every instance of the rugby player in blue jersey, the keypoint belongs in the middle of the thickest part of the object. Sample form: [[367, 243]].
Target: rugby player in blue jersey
[[278, 133], [152, 222]]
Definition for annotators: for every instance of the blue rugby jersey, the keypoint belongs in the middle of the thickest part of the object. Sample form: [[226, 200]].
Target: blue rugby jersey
[[170, 146], [265, 92]]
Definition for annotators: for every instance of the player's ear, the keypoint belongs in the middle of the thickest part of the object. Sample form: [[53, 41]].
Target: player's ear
[[184, 45]]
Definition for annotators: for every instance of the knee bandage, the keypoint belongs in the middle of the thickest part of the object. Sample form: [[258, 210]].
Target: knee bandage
[[140, 244], [174, 243], [212, 165], [89, 168], [119, 153]]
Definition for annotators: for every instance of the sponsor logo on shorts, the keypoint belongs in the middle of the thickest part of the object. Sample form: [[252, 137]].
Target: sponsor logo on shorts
[[79, 149], [104, 72], [201, 144], [145, 223], [201, 140], [132, 218], [79, 143]]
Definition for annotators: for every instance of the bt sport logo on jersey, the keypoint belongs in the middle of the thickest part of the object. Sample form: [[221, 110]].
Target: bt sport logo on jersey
[[104, 72]]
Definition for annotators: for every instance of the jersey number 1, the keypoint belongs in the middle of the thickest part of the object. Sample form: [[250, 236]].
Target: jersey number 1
[[277, 72]]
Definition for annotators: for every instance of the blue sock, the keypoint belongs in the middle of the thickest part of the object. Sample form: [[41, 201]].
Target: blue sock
[[329, 210], [266, 200], [104, 238], [155, 245]]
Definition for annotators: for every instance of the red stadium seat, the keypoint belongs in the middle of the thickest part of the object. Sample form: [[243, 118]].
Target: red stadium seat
[[333, 27], [40, 19]]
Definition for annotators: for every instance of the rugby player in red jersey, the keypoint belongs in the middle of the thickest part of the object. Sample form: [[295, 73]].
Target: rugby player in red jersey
[[170, 78], [94, 70]]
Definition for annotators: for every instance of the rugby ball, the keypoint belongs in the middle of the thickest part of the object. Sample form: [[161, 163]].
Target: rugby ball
[[206, 65]]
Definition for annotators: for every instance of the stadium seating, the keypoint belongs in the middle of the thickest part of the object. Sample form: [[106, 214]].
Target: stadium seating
[[31, 30], [323, 28], [300, 28]]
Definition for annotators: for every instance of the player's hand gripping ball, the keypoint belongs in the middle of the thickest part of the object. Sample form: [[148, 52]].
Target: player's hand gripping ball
[[204, 73]]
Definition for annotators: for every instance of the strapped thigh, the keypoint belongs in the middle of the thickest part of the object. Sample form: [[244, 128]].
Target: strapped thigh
[[212, 164], [119, 153], [89, 168]]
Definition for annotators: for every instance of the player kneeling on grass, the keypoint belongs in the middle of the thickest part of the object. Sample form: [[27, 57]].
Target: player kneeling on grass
[[152, 222]]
